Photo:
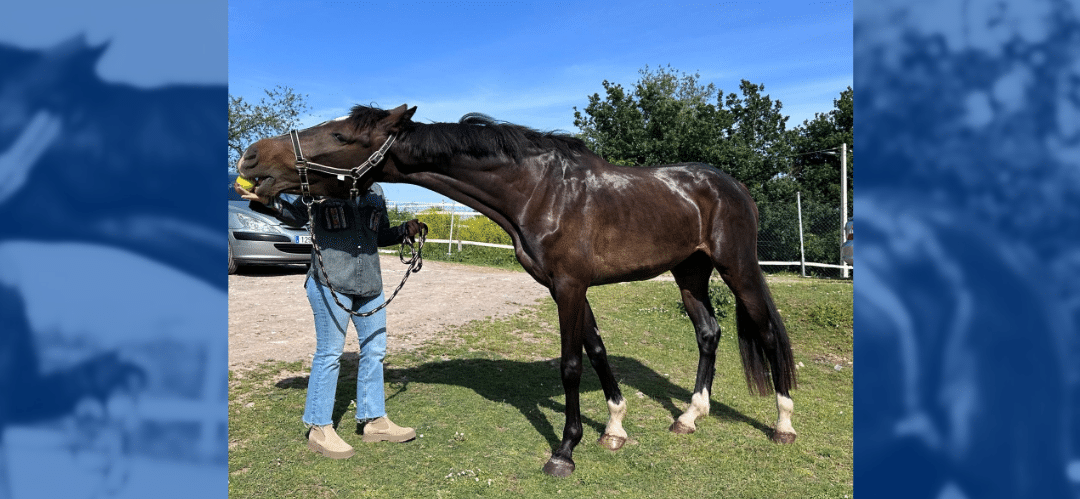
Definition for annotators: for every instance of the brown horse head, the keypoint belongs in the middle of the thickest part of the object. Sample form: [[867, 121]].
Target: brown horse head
[[341, 143]]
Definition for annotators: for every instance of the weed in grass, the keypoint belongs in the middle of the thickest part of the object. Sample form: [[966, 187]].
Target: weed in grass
[[832, 315]]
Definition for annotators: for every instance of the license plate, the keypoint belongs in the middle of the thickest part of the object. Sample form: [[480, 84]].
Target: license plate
[[303, 239]]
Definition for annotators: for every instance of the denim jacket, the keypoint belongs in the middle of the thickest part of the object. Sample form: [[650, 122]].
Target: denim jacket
[[348, 232]]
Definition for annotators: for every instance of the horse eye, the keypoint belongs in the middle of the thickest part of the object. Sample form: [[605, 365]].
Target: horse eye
[[341, 138]]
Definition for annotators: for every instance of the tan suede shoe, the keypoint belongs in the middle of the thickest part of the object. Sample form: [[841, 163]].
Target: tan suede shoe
[[325, 441], [384, 430]]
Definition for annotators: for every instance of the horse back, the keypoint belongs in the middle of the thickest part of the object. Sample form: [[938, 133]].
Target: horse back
[[628, 223]]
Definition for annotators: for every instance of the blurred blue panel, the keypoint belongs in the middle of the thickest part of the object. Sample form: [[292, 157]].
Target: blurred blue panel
[[112, 258], [967, 285]]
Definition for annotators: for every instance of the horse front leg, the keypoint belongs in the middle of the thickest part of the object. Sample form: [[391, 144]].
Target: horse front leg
[[614, 435], [572, 318]]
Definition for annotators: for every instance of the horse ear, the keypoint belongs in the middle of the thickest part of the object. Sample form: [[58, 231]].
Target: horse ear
[[399, 116], [76, 55]]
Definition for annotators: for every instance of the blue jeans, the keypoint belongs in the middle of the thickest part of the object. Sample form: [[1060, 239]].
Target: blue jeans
[[331, 323]]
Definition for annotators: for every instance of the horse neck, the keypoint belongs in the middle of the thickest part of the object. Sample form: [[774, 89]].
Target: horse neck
[[495, 187]]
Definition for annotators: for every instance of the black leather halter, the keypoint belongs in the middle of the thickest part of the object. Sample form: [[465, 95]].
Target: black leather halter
[[303, 165]]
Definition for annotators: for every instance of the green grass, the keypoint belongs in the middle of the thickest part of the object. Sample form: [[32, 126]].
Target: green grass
[[473, 255], [488, 401]]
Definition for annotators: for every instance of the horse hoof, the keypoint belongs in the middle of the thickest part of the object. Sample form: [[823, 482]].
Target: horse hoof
[[611, 442], [678, 427], [559, 467], [783, 438]]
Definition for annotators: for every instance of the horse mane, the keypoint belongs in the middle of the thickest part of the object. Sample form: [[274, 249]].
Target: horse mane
[[475, 135], [14, 59]]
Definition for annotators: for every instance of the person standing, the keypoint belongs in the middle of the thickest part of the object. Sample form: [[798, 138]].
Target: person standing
[[348, 233]]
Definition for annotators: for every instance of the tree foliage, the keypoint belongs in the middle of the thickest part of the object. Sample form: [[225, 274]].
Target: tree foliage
[[671, 117], [666, 118], [757, 142], [273, 115], [815, 158]]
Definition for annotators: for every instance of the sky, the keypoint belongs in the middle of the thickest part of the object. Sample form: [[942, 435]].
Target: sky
[[530, 63]]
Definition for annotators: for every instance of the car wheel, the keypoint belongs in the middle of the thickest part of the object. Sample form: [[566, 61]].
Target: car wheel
[[232, 263]]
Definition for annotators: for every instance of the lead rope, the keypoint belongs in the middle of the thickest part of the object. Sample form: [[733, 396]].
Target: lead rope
[[415, 263]]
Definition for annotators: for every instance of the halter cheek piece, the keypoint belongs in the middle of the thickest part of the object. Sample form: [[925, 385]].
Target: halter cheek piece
[[303, 165]]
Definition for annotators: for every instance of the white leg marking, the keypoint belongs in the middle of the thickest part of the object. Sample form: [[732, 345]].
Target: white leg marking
[[784, 408], [614, 425], [699, 406]]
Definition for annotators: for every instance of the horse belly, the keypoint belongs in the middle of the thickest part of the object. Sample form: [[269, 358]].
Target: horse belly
[[644, 246]]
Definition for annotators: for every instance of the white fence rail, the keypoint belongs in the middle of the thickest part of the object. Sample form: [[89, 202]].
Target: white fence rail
[[473, 243]]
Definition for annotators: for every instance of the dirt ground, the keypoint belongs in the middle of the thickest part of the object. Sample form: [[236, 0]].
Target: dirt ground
[[270, 319]]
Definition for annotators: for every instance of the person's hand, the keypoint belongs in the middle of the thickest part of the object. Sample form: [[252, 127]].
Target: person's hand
[[414, 227], [17, 162], [250, 196]]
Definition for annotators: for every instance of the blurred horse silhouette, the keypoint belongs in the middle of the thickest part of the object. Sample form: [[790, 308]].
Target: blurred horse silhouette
[[121, 168], [965, 303], [31, 396], [949, 409], [102, 235]]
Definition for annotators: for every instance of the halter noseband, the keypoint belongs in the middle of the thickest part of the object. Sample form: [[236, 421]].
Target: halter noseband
[[302, 166]]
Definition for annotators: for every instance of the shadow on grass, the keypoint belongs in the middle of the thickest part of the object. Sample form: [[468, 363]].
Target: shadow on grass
[[528, 386]]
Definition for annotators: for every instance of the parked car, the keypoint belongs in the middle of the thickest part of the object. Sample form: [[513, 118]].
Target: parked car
[[847, 252], [257, 239]]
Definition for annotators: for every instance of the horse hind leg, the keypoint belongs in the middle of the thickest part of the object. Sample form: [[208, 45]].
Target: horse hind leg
[[764, 346], [692, 276]]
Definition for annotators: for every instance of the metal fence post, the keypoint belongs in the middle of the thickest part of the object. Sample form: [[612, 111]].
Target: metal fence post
[[802, 248], [450, 241], [843, 205]]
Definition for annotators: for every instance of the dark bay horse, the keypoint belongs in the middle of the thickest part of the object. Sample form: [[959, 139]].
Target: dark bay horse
[[119, 147], [576, 221]]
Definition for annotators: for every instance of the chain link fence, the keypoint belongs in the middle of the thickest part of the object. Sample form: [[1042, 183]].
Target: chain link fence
[[807, 243]]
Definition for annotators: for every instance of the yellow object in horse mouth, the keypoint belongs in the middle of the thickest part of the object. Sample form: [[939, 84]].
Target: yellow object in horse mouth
[[245, 183]]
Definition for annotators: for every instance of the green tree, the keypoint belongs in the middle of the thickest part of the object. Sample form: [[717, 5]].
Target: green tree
[[815, 160], [275, 114], [756, 144], [668, 117], [672, 117]]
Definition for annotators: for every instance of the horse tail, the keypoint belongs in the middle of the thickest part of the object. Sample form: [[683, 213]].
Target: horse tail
[[763, 341]]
